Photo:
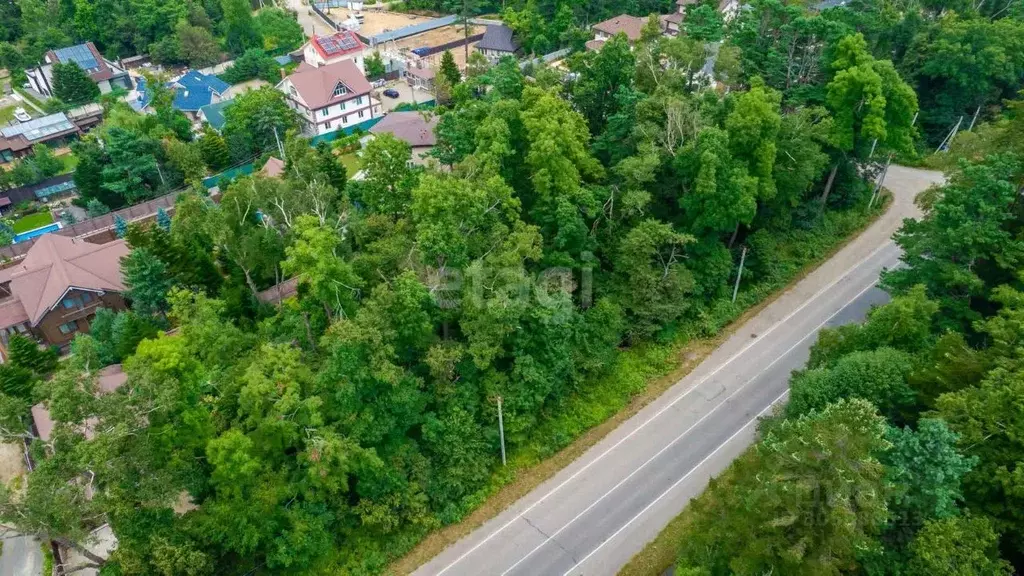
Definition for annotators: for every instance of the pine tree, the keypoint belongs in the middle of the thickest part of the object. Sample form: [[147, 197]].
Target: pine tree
[[214, 149], [72, 85], [449, 69], [163, 220], [120, 226]]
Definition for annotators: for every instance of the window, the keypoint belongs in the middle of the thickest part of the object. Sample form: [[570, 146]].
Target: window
[[291, 90], [339, 90], [344, 119], [68, 303], [327, 124], [359, 100], [360, 113], [86, 297], [324, 111], [68, 327]]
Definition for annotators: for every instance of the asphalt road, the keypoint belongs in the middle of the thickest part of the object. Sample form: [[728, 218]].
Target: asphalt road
[[21, 557], [595, 514]]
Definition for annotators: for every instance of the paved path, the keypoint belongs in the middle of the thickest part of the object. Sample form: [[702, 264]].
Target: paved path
[[21, 557], [595, 514]]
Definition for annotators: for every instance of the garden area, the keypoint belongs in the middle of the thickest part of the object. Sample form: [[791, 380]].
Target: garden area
[[32, 221]]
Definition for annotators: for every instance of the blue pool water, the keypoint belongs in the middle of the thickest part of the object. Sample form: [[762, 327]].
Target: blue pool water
[[36, 232]]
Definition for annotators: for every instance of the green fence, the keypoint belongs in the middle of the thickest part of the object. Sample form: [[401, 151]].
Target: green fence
[[230, 173]]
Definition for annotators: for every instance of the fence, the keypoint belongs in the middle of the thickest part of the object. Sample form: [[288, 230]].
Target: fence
[[412, 30], [449, 45], [94, 226]]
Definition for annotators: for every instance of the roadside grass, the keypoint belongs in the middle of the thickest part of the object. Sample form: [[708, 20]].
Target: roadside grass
[[639, 376], [32, 221]]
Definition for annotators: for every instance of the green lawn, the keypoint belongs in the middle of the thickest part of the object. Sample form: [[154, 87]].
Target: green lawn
[[7, 114], [352, 163], [70, 161], [32, 221]]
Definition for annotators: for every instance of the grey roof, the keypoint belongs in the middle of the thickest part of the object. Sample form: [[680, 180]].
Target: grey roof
[[412, 30], [826, 4], [39, 128], [499, 38]]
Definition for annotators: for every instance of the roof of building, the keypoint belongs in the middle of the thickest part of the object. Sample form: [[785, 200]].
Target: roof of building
[[56, 264], [339, 44], [413, 29], [273, 168], [316, 86], [195, 90], [675, 17], [108, 379], [632, 26], [88, 58], [279, 292], [594, 44], [143, 95], [409, 127], [214, 113], [826, 4], [498, 38], [426, 73], [39, 128]]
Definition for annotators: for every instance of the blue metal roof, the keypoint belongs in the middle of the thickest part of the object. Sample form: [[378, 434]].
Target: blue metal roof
[[283, 60], [414, 29], [144, 97], [191, 100], [80, 55], [195, 80]]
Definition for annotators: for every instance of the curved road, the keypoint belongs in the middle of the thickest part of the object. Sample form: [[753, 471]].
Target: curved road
[[595, 514]]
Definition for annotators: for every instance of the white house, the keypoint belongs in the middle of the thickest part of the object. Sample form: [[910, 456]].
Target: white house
[[330, 97], [498, 42], [343, 45], [106, 74]]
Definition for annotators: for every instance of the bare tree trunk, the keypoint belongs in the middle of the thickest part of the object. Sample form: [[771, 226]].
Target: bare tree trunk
[[81, 550], [828, 185], [309, 330], [735, 233]]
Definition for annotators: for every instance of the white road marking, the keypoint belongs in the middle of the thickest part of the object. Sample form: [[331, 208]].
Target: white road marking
[[671, 404], [678, 482], [720, 446]]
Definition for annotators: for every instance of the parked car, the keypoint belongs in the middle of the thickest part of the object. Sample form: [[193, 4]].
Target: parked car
[[20, 115], [391, 93], [379, 83]]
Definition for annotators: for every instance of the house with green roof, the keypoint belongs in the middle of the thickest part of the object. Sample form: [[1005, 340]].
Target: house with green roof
[[213, 114]]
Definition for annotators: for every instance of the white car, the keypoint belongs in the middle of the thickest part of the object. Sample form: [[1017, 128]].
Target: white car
[[20, 115]]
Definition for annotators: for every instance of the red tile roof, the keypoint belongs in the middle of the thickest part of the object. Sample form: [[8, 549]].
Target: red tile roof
[[316, 85], [410, 127], [56, 264]]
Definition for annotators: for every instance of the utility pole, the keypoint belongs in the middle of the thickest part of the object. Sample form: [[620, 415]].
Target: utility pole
[[280, 149], [739, 274], [949, 138], [975, 119], [501, 432], [465, 27], [878, 185]]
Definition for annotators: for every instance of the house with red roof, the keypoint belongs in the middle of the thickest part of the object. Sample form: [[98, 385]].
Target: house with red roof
[[54, 292], [342, 45], [330, 97]]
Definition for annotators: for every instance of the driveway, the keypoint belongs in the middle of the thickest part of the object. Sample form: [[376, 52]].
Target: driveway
[[406, 95]]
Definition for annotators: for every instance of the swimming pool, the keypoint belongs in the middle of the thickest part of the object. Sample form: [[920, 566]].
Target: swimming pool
[[37, 232]]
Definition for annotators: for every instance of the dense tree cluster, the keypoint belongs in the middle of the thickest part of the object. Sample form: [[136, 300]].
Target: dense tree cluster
[[916, 410], [194, 32], [326, 433]]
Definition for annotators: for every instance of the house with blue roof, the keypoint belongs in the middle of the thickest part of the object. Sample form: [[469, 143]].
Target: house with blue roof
[[195, 90]]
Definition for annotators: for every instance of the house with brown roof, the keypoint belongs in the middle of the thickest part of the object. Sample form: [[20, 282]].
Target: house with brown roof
[[412, 128], [106, 74], [329, 98], [342, 45], [631, 26], [54, 292]]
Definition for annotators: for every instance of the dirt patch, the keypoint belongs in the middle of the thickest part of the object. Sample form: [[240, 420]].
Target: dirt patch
[[377, 22], [12, 462], [438, 37]]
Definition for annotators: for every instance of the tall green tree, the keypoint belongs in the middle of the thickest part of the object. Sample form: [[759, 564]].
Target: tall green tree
[[72, 85]]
